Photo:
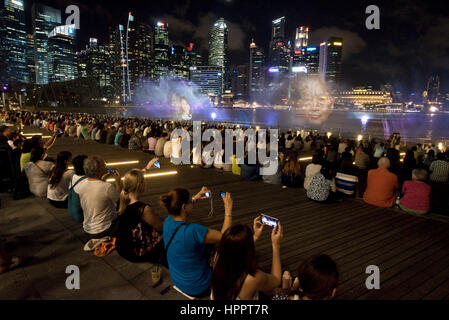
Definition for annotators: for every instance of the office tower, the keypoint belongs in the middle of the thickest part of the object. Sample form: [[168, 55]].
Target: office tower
[[44, 20], [433, 88], [140, 50], [161, 50], [62, 65], [278, 29], [301, 40], [241, 84], [194, 58], [95, 62], [179, 62], [218, 49], [30, 58], [208, 79], [256, 73], [13, 42], [311, 58], [330, 60], [118, 63], [279, 54]]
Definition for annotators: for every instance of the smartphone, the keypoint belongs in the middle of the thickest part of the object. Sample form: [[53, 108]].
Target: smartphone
[[60, 131], [207, 194], [269, 221], [157, 164], [110, 170], [222, 194]]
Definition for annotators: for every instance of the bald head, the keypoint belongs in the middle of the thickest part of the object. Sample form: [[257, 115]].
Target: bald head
[[384, 162]]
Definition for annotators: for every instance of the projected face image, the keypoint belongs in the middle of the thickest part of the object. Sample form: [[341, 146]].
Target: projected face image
[[315, 100]]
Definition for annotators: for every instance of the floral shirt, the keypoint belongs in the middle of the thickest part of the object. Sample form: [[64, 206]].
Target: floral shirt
[[319, 188]]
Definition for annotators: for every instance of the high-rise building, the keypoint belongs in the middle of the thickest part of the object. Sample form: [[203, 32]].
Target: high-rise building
[[433, 89], [240, 86], [256, 72], [278, 29], [194, 58], [161, 50], [330, 60], [95, 62], [140, 51], [311, 58], [44, 19], [30, 58], [13, 42], [218, 49], [209, 80], [62, 62], [301, 41], [179, 63], [118, 63]]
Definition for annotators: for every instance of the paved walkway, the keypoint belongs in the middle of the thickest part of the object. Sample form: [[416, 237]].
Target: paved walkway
[[411, 252]]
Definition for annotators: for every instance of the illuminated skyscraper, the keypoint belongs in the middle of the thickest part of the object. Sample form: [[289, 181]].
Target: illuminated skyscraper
[[433, 89], [240, 86], [218, 49], [278, 29], [301, 40], [330, 60], [13, 43], [311, 58], [62, 65], [44, 20], [179, 62], [194, 58], [118, 63], [209, 80], [30, 58], [161, 50], [256, 73]]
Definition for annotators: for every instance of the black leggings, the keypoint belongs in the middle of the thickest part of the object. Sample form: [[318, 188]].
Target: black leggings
[[59, 204]]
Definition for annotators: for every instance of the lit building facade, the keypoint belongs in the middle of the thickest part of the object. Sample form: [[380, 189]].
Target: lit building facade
[[218, 49], [330, 60], [118, 63], [363, 96], [13, 42], [179, 62], [241, 83], [62, 62], [256, 72], [301, 41], [161, 50], [208, 79], [44, 19], [194, 58], [311, 56]]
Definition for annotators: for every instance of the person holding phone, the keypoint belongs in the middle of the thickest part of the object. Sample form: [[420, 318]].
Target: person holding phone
[[185, 242], [235, 275]]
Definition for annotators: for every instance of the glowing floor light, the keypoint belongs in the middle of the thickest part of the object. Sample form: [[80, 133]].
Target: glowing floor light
[[151, 175], [305, 158], [117, 163]]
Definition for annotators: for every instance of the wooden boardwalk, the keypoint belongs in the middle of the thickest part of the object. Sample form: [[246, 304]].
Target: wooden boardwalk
[[411, 252]]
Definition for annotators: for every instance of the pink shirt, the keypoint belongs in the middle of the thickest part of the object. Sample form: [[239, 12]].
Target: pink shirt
[[151, 143], [416, 195]]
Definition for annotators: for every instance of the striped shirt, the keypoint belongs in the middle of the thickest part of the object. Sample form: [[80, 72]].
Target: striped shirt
[[346, 183], [440, 171]]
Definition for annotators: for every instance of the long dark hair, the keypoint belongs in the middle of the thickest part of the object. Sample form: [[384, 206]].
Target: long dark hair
[[59, 168], [236, 257]]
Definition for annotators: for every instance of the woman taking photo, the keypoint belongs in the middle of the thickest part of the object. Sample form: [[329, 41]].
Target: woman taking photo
[[235, 275], [38, 171], [60, 178], [185, 242], [139, 236]]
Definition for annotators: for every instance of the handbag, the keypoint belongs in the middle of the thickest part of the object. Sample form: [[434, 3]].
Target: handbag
[[74, 204]]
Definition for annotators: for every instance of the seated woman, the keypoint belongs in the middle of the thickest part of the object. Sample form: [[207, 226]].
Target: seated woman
[[60, 178], [38, 171], [322, 187], [235, 275], [139, 235], [291, 171], [311, 170], [416, 193], [317, 280], [185, 242]]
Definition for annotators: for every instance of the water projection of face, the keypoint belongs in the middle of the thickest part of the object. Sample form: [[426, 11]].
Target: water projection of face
[[315, 99]]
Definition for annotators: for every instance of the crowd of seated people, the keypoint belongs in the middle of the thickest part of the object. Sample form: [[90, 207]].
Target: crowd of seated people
[[203, 262]]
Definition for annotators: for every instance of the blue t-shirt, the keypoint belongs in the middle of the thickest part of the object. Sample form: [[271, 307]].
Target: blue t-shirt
[[189, 268]]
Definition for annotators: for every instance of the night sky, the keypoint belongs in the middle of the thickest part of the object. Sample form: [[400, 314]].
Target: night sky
[[412, 43]]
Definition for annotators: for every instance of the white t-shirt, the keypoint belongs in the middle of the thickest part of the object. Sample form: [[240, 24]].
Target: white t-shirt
[[98, 135], [37, 179], [167, 149], [60, 192], [341, 147], [311, 170], [99, 201]]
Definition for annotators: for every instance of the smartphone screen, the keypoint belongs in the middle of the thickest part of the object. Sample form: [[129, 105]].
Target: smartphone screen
[[157, 164], [222, 194], [207, 194], [110, 170], [269, 221]]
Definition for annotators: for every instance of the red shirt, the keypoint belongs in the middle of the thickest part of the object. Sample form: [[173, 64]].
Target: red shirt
[[380, 188], [416, 195]]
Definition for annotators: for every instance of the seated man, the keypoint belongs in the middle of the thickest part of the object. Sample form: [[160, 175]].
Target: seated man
[[98, 199], [381, 185]]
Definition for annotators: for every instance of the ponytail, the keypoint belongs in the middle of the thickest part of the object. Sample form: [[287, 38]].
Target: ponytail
[[124, 201]]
